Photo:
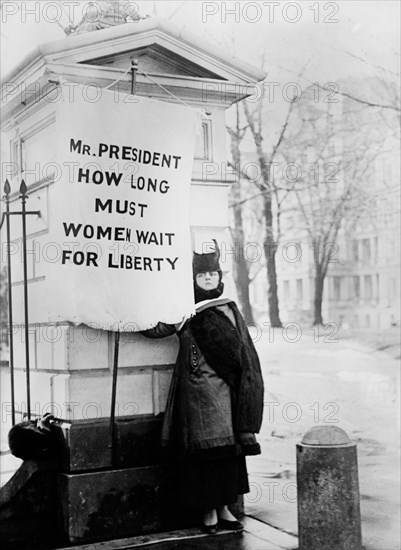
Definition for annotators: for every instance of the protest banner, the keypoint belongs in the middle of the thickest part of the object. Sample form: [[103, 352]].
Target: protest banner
[[120, 213]]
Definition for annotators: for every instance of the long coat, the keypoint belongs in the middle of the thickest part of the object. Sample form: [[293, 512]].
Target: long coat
[[199, 411]]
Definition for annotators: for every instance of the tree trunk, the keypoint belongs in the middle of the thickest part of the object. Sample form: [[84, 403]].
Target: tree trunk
[[242, 282], [240, 265], [318, 298], [270, 248]]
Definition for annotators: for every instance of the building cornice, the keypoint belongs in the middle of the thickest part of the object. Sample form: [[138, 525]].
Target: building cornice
[[205, 92]]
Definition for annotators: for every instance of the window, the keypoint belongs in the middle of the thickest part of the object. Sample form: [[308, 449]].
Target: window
[[367, 279], [391, 250], [299, 290], [376, 248], [356, 286], [378, 286], [355, 252], [337, 287], [286, 290], [392, 290], [203, 145], [366, 255]]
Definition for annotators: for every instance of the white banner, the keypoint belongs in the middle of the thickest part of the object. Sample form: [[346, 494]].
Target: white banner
[[120, 213]]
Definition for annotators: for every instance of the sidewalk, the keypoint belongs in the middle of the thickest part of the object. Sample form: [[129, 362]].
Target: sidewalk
[[257, 535]]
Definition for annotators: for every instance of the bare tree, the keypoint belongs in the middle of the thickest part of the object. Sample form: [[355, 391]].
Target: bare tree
[[241, 266], [270, 196], [342, 143], [266, 204]]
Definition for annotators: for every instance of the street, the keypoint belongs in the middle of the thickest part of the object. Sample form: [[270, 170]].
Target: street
[[345, 384]]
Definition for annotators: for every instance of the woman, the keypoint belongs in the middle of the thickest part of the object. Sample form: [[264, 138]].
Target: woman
[[215, 402]]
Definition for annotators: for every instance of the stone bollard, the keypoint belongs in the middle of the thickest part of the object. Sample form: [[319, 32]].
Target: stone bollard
[[328, 492]]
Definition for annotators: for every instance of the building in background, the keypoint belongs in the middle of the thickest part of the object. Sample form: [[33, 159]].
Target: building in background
[[362, 286]]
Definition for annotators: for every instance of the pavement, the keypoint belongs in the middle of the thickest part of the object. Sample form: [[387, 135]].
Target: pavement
[[329, 381], [256, 535]]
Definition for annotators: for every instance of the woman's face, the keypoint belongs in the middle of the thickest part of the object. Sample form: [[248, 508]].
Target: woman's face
[[208, 280]]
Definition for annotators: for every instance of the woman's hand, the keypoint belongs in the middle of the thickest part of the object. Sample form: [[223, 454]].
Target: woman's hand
[[161, 330]]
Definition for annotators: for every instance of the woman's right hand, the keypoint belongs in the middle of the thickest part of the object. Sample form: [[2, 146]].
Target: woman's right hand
[[161, 330]]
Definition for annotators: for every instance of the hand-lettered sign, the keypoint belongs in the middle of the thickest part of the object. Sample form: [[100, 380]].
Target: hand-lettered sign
[[119, 213]]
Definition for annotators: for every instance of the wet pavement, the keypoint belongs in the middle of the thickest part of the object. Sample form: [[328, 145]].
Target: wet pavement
[[344, 384], [255, 536]]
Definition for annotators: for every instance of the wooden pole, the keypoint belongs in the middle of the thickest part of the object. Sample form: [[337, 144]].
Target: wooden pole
[[113, 397]]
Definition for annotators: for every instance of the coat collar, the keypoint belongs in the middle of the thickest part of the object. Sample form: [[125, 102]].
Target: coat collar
[[200, 306]]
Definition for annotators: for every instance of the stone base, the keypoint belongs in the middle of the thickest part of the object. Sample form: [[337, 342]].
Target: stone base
[[88, 443], [115, 503]]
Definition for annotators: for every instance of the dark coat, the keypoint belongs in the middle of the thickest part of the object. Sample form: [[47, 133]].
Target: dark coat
[[199, 412]]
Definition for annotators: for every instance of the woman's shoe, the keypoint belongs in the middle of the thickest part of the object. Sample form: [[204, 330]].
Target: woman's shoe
[[230, 525], [210, 529]]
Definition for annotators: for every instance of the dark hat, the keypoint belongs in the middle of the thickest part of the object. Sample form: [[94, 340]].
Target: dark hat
[[207, 262]]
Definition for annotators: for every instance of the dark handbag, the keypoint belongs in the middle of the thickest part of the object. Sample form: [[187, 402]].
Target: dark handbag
[[35, 439]]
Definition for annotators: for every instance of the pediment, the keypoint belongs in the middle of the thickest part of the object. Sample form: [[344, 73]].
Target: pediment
[[158, 45], [154, 59]]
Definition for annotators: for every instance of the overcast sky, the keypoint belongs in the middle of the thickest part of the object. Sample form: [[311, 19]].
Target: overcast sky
[[333, 39]]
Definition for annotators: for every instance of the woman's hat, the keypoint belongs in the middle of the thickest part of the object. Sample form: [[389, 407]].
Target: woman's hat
[[206, 262]]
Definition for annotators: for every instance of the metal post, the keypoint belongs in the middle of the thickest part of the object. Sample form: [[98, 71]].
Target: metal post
[[7, 190], [113, 397], [23, 190], [134, 69]]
